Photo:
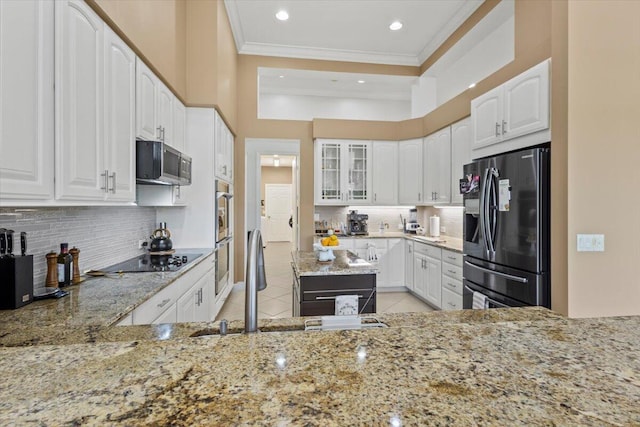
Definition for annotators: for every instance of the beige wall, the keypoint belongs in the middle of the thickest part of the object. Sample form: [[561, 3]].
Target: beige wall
[[273, 175], [156, 30], [603, 153], [188, 44]]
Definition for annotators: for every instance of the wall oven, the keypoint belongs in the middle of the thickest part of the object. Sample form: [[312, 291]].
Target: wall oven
[[223, 235]]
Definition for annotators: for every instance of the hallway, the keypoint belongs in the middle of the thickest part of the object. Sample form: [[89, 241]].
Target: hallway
[[276, 300]]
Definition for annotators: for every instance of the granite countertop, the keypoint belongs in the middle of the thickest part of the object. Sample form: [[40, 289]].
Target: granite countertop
[[306, 264], [98, 301], [444, 242], [520, 366]]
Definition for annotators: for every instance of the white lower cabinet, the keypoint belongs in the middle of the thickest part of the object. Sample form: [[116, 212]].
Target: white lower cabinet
[[194, 306], [392, 264], [427, 271], [187, 299], [451, 280], [408, 264]]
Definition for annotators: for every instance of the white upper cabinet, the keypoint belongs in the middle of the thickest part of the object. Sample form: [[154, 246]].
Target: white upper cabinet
[[437, 165], [95, 93], [160, 116], [410, 172], [385, 173], [147, 88], [526, 102], [26, 100], [223, 150], [165, 113], [460, 156], [79, 94], [179, 125], [120, 80], [343, 172], [517, 108], [486, 117]]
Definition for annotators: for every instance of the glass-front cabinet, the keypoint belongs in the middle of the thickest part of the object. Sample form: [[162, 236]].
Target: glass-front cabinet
[[343, 174]]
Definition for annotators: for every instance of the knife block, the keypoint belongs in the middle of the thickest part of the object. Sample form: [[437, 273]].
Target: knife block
[[16, 276]]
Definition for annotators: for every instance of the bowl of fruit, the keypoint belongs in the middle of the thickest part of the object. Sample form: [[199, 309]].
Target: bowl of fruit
[[324, 249]]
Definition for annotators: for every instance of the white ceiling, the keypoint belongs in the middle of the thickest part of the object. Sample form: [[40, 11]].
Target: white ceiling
[[347, 30]]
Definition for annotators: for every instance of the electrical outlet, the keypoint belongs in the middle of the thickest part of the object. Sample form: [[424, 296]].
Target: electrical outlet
[[140, 244], [443, 229], [590, 242]]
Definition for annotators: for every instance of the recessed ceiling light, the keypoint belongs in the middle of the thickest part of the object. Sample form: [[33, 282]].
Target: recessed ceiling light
[[395, 25], [472, 85], [282, 15], [360, 81], [282, 77]]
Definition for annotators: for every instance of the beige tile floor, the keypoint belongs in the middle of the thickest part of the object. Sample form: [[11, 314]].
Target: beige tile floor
[[275, 301]]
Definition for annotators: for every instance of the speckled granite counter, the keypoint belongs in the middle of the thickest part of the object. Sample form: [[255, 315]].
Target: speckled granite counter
[[307, 264], [98, 301], [489, 367], [444, 242]]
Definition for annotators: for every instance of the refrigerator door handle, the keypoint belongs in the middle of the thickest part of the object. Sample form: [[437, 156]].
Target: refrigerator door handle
[[493, 210], [484, 212], [497, 273]]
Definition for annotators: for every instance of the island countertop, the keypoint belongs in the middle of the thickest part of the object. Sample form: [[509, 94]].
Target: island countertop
[[523, 366], [306, 264]]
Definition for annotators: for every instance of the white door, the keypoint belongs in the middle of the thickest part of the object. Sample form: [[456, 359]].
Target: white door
[[442, 179], [277, 206], [434, 281], [79, 93], [120, 78], [26, 99], [165, 113]]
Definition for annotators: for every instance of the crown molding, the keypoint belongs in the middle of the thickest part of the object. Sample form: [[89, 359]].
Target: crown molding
[[465, 11], [327, 54], [336, 93], [234, 21]]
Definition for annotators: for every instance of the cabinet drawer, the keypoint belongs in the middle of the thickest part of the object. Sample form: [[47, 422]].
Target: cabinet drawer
[[452, 271], [450, 300], [322, 296], [452, 284], [327, 308], [156, 305], [338, 282], [451, 257], [428, 250]]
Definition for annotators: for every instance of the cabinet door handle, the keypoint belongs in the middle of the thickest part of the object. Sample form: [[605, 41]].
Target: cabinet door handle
[[451, 258], [162, 133], [497, 129], [375, 197], [451, 304], [452, 272], [159, 134], [113, 177], [418, 196], [178, 192], [331, 298], [504, 127], [105, 178], [164, 302], [224, 169]]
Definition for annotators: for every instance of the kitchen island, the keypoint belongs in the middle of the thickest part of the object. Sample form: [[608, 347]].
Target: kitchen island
[[317, 284], [519, 366]]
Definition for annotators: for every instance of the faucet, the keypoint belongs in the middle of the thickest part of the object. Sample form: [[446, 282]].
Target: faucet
[[255, 280]]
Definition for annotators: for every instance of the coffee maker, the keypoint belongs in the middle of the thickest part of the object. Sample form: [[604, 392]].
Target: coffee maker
[[357, 223]]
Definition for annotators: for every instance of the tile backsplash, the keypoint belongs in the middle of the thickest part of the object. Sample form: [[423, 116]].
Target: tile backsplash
[[450, 218], [104, 235]]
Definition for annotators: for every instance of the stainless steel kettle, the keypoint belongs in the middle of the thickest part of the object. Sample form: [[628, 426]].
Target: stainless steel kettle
[[161, 239]]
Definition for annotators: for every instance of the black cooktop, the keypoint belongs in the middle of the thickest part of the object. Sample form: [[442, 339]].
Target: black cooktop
[[149, 263]]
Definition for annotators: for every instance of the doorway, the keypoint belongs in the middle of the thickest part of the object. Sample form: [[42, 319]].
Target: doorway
[[278, 217], [262, 157]]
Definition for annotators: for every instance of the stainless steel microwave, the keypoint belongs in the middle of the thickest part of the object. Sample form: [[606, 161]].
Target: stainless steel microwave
[[157, 163]]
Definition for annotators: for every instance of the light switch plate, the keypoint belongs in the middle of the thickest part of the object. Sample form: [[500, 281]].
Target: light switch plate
[[590, 242]]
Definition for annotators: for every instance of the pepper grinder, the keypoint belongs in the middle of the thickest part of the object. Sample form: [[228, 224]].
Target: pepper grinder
[[75, 254], [52, 270]]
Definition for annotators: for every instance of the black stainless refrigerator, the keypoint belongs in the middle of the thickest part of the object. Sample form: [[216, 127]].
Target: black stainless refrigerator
[[506, 240]]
